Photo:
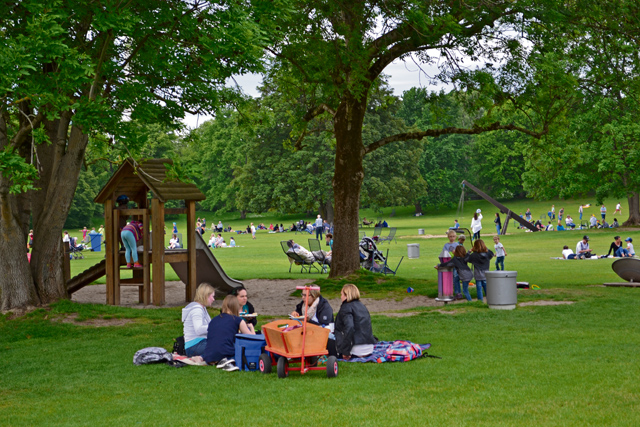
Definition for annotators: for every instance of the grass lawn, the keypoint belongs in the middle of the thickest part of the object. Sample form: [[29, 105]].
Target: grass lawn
[[552, 365]]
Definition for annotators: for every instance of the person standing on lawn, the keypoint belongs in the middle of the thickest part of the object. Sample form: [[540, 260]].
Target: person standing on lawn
[[476, 224], [618, 209], [500, 253], [253, 231], [461, 269], [603, 212], [480, 257], [319, 227], [497, 222]]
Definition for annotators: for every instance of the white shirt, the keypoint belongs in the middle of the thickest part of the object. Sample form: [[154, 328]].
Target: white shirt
[[499, 249], [476, 225], [581, 246], [253, 229], [630, 248], [566, 253], [65, 238]]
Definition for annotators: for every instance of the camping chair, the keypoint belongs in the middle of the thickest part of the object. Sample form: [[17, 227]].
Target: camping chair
[[75, 249], [297, 259], [385, 267], [389, 237], [361, 234], [321, 257], [376, 233]]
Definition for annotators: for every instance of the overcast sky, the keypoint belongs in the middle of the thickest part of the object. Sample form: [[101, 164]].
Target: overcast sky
[[403, 76]]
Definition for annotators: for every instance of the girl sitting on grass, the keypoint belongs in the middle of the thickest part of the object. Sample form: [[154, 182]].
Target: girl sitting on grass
[[480, 257], [459, 262]]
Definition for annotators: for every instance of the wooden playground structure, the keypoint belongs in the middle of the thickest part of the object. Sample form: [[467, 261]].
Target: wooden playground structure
[[148, 186]]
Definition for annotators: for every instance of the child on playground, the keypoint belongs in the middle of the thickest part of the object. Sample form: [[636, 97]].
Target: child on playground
[[500, 253], [480, 257], [461, 269]]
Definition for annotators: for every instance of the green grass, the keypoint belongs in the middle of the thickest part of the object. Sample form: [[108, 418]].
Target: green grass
[[538, 365]]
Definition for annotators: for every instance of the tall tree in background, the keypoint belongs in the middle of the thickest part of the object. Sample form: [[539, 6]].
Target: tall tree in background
[[598, 147], [71, 69], [330, 54]]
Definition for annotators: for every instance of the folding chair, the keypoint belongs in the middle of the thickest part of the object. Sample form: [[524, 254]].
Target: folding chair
[[389, 237], [316, 248], [297, 259], [376, 232]]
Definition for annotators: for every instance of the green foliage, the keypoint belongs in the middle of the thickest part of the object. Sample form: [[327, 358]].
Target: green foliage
[[19, 174]]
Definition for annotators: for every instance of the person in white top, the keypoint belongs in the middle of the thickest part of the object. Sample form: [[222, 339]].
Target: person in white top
[[618, 209], [568, 253], [476, 224], [582, 248], [632, 251], [65, 237], [196, 318], [500, 253], [319, 227], [253, 231]]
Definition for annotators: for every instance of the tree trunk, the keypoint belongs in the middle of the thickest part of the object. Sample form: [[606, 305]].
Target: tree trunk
[[60, 164], [328, 212], [347, 181], [243, 214], [418, 207], [634, 211], [16, 284]]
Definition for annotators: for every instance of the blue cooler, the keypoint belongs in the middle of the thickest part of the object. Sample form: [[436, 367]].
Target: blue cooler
[[248, 350]]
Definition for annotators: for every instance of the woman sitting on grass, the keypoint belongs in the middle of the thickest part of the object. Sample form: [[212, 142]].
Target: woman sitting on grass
[[195, 318], [319, 310], [245, 306], [353, 332], [221, 335]]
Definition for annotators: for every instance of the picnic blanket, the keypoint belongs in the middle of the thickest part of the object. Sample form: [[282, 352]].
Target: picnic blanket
[[393, 351]]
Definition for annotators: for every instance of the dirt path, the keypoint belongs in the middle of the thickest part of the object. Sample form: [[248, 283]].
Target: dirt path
[[269, 297]]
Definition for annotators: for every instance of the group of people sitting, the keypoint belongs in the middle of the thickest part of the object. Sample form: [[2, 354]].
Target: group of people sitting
[[214, 339], [219, 242], [584, 251]]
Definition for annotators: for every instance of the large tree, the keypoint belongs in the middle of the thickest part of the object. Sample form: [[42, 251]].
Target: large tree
[[330, 53], [71, 69]]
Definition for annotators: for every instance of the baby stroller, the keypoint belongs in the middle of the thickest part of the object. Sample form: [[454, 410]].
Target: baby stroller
[[75, 250], [372, 259]]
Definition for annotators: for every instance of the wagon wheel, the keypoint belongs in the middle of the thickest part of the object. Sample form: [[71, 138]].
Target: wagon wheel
[[265, 363], [283, 367], [332, 367]]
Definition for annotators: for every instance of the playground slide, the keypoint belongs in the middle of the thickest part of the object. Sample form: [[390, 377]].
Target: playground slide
[[208, 269], [87, 277]]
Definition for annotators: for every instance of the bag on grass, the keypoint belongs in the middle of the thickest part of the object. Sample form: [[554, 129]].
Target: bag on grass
[[178, 346], [152, 355], [248, 350]]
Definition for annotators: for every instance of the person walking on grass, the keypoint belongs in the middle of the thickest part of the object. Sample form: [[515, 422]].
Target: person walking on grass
[[253, 231], [476, 224], [500, 253], [618, 209], [580, 210], [319, 227], [480, 257]]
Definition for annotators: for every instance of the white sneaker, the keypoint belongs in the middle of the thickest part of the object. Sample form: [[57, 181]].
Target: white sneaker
[[230, 367], [224, 362]]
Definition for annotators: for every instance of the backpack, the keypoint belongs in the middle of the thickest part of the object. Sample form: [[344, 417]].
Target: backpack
[[152, 355], [178, 346]]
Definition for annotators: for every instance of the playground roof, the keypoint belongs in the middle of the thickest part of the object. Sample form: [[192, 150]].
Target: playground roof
[[132, 178]]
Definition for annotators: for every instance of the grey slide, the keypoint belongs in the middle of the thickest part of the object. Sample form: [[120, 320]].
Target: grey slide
[[208, 269]]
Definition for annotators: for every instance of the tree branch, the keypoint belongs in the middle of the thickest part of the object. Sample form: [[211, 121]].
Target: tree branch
[[311, 114], [448, 131]]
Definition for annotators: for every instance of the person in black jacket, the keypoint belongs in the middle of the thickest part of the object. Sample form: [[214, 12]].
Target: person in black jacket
[[354, 336], [245, 306], [319, 310]]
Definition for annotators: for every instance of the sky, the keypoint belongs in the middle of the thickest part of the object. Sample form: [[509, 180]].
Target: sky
[[403, 76]]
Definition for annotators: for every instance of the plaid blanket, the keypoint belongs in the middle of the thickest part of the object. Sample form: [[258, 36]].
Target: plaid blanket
[[393, 351]]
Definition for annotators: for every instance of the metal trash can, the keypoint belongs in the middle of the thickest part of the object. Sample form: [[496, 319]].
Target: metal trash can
[[420, 231], [502, 289], [413, 250], [96, 241]]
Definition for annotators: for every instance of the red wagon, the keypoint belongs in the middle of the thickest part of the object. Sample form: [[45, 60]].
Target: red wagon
[[297, 343]]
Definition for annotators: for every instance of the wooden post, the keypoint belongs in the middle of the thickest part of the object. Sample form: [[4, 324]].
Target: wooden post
[[506, 223], [110, 248], [145, 293], [115, 239], [190, 290], [157, 214], [66, 264]]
